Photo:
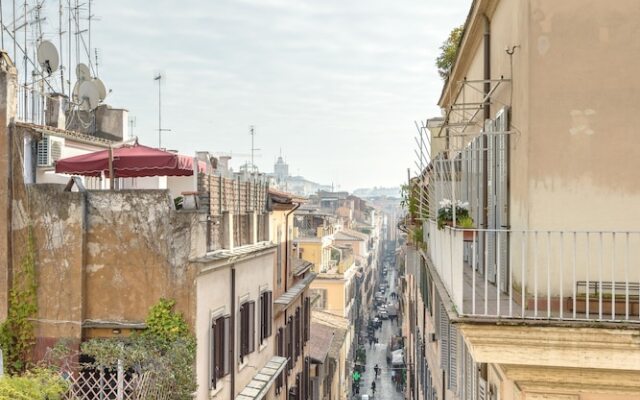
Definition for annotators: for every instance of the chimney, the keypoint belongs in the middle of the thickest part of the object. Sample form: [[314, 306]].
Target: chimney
[[56, 109]]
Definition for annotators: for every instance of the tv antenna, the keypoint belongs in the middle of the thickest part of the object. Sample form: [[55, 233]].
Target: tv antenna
[[132, 124], [252, 132], [160, 130]]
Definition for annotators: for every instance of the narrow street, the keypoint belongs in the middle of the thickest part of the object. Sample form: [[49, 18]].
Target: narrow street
[[377, 353]]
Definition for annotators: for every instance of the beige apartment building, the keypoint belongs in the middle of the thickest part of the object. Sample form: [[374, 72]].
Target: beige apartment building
[[540, 299]]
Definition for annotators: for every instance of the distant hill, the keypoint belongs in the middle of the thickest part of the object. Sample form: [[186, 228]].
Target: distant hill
[[378, 191]]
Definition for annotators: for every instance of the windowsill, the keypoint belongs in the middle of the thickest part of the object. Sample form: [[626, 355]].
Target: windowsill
[[243, 364], [263, 346]]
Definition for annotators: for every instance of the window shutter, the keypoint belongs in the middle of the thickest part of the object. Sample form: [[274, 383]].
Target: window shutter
[[280, 352], [482, 389], [502, 212], [444, 338], [468, 374], [491, 201], [243, 331], [269, 313], [263, 317], [298, 331], [227, 351], [307, 319], [251, 327], [298, 386], [453, 357], [289, 342], [213, 364]]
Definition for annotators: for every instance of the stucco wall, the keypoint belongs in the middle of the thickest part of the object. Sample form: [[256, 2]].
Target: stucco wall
[[137, 251], [105, 256], [214, 296], [584, 166]]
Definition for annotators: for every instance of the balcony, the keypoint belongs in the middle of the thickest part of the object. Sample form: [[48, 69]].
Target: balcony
[[540, 275]]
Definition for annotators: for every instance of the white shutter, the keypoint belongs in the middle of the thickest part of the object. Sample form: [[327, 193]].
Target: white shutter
[[480, 220], [482, 389], [453, 357], [491, 201], [444, 338], [502, 125]]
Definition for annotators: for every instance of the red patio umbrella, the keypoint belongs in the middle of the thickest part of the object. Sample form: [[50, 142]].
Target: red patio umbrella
[[129, 162]]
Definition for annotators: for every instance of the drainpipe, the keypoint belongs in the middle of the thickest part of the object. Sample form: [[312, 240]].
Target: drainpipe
[[286, 249], [232, 333], [487, 112], [9, 211], [83, 271]]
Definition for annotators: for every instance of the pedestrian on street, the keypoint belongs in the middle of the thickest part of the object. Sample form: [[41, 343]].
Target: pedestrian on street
[[373, 387], [377, 370]]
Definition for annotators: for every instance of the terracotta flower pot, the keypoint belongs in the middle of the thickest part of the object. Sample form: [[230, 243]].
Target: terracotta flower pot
[[467, 235]]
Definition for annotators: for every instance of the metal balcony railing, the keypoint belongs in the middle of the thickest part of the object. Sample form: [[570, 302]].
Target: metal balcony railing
[[554, 275]]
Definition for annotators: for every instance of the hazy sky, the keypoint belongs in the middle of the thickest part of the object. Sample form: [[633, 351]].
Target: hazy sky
[[336, 85]]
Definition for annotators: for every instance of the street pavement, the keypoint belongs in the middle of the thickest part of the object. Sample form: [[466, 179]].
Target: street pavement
[[376, 354]]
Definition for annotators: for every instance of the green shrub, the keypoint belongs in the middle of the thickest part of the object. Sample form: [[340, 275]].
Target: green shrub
[[37, 384], [166, 349]]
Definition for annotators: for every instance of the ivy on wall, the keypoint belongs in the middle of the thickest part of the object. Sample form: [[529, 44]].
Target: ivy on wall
[[17, 335]]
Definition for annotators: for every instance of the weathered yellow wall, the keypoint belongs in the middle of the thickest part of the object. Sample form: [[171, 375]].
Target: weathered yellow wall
[[335, 288], [312, 252]]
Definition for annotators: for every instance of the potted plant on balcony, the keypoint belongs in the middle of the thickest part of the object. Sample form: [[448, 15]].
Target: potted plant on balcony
[[445, 212], [466, 224]]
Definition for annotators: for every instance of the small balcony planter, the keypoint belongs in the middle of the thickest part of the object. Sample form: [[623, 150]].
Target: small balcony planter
[[445, 213], [466, 224], [468, 235]]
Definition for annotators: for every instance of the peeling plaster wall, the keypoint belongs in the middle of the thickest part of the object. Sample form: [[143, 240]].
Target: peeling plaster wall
[[135, 249], [138, 251], [57, 224], [8, 90]]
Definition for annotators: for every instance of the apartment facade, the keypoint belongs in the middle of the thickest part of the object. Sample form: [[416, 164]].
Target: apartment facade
[[292, 301], [104, 257], [539, 299]]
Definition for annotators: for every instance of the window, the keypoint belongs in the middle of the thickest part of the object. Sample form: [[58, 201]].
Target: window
[[280, 346], [266, 315], [219, 345], [307, 319], [289, 342], [320, 296], [247, 328], [298, 335], [279, 256]]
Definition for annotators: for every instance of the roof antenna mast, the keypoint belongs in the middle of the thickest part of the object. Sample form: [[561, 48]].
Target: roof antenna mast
[[253, 148]]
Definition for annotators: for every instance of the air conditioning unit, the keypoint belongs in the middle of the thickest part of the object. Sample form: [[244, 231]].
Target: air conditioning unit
[[49, 150]]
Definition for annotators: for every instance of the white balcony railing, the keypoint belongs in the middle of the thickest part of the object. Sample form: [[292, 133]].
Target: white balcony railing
[[563, 275]]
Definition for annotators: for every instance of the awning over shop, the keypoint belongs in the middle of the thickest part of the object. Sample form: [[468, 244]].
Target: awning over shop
[[129, 162], [291, 294], [259, 386]]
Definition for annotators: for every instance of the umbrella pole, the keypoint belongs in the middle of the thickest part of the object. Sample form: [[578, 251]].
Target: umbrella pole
[[110, 168]]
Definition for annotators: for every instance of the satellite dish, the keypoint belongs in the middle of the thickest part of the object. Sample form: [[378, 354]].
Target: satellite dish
[[102, 90], [75, 92], [48, 57], [88, 95], [82, 72]]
